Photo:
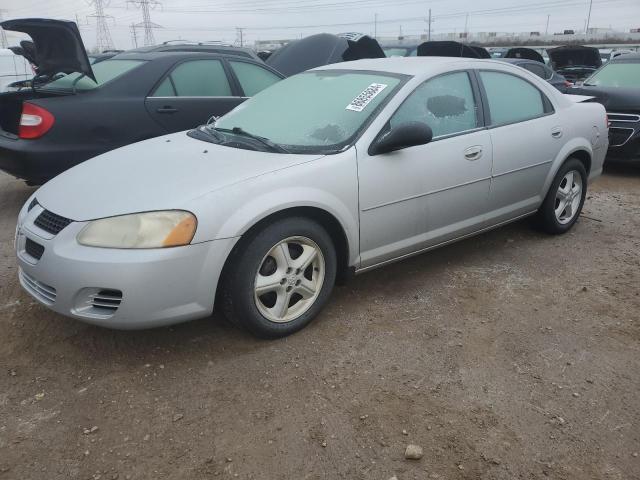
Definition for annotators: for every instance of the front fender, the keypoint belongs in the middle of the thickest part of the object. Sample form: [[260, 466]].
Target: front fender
[[232, 211]]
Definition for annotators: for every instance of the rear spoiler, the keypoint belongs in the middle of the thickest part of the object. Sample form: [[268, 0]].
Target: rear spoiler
[[578, 98]]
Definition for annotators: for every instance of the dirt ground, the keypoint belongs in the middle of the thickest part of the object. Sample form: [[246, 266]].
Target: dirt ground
[[511, 355]]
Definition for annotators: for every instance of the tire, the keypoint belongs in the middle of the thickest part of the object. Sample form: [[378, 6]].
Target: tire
[[273, 259], [551, 217]]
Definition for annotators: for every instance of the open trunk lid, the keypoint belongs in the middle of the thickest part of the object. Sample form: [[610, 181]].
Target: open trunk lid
[[447, 48], [523, 52], [323, 49], [58, 45], [574, 56]]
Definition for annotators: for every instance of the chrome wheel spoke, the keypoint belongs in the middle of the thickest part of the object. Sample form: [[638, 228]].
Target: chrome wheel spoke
[[268, 284], [308, 255], [282, 304], [307, 289], [281, 255]]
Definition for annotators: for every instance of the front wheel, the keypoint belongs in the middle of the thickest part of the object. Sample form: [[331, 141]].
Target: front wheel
[[279, 278], [565, 198]]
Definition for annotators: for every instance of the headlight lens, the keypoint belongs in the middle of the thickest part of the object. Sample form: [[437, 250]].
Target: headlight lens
[[170, 228]]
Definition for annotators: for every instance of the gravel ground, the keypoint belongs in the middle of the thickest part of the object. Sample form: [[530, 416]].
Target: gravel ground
[[512, 355]]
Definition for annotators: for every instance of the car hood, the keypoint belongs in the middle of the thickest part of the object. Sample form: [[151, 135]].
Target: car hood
[[614, 99], [157, 174], [522, 52], [58, 45], [447, 48], [323, 49], [574, 56]]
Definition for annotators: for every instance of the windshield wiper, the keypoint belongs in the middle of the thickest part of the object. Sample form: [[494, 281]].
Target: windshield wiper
[[75, 82], [274, 147]]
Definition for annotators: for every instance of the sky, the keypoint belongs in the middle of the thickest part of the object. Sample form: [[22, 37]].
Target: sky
[[202, 20]]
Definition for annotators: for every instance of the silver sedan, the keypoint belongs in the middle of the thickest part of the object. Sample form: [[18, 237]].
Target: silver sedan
[[334, 171]]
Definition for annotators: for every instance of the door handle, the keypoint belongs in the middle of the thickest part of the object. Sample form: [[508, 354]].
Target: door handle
[[556, 132], [167, 109], [473, 153]]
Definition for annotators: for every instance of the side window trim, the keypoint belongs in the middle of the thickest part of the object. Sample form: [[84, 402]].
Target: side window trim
[[227, 70], [232, 72], [548, 108], [475, 89], [236, 89]]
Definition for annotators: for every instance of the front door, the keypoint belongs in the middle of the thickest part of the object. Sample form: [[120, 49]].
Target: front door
[[421, 196]]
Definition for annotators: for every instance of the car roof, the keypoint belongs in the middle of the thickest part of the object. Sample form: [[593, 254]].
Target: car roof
[[140, 55], [405, 65], [626, 58], [518, 60]]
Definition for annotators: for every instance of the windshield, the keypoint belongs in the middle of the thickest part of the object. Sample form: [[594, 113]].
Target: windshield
[[396, 52], [313, 112], [616, 75], [104, 71]]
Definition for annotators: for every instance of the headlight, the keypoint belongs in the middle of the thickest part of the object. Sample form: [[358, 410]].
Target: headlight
[[171, 228]]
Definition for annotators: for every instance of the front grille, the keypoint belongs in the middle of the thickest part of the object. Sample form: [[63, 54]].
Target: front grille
[[623, 117], [52, 223], [33, 249], [43, 292], [107, 300], [619, 136]]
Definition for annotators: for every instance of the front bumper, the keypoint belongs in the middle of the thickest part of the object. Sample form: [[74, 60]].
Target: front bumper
[[117, 288], [624, 141]]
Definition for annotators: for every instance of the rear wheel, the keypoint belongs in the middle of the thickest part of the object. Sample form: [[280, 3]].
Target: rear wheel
[[279, 278], [565, 198]]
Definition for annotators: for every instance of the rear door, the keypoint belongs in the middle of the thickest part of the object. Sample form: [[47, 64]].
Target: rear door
[[527, 135], [193, 92]]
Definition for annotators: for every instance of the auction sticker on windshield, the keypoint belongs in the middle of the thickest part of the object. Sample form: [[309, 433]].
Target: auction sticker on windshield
[[362, 100]]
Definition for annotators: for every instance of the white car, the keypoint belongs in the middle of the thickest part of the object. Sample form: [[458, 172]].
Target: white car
[[13, 68], [337, 170]]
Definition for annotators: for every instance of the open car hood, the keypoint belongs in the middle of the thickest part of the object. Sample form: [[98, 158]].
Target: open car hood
[[574, 56], [58, 45], [448, 48], [521, 52], [323, 49]]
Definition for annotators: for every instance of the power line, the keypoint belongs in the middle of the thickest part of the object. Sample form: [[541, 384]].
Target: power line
[[103, 36], [147, 24]]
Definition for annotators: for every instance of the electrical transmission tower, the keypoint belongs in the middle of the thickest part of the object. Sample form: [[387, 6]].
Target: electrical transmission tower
[[147, 24], [103, 36], [4, 43], [240, 37]]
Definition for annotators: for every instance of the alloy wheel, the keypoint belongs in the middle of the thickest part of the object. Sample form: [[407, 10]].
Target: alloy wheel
[[289, 279], [568, 197]]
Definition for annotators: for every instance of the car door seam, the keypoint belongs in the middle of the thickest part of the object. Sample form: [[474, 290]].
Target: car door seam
[[496, 175], [420, 195]]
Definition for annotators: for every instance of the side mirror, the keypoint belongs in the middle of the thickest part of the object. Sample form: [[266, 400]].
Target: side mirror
[[408, 134]]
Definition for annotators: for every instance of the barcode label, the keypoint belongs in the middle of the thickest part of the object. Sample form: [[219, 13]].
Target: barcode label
[[361, 101]]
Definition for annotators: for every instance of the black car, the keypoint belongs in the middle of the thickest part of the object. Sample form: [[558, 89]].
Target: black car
[[199, 47], [574, 62], [617, 86], [76, 111], [541, 70], [323, 49]]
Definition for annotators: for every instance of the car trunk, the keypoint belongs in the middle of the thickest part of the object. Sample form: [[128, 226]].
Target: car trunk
[[11, 107]]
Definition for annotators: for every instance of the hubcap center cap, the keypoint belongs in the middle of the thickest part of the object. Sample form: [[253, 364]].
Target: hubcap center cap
[[292, 279]]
